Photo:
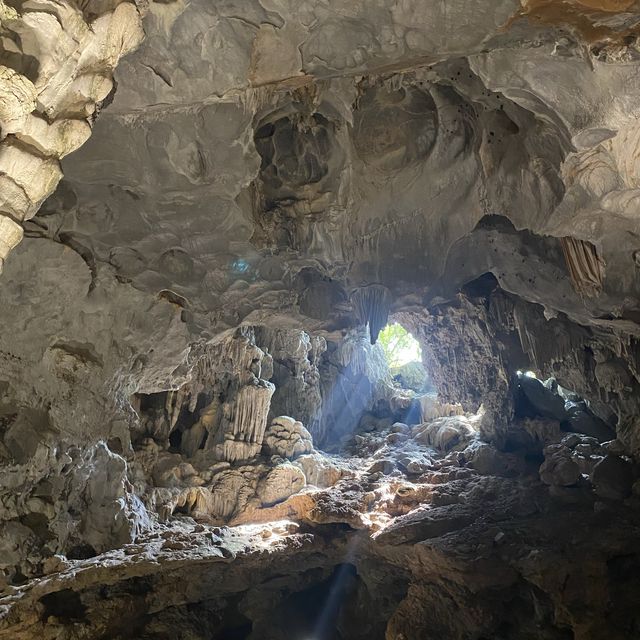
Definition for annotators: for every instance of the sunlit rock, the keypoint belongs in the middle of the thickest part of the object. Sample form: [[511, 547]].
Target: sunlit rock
[[287, 438], [445, 433]]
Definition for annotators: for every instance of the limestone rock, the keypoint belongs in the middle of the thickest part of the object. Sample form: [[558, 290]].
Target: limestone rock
[[287, 438], [445, 433], [57, 139], [533, 434], [558, 468], [319, 470], [18, 99], [431, 408], [57, 65], [487, 460], [250, 194], [612, 478], [10, 235], [582, 421], [244, 440], [114, 515], [282, 481], [411, 376], [55, 564], [544, 397], [614, 447], [382, 466]]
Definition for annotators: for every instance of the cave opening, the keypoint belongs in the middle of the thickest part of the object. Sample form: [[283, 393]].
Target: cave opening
[[314, 613], [403, 354], [399, 346], [336, 604]]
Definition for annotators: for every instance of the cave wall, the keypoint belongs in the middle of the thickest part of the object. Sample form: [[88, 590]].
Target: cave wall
[[471, 351], [475, 344], [64, 397], [297, 358]]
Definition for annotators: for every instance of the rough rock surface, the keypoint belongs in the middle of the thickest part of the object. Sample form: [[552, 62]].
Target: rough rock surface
[[287, 438], [56, 68], [490, 538], [208, 212]]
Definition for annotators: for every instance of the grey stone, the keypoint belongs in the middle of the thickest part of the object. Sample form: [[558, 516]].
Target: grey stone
[[612, 478]]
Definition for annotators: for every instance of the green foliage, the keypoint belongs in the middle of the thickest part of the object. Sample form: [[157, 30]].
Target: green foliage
[[411, 376], [399, 346]]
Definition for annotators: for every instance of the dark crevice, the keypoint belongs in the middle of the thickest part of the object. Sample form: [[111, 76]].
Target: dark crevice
[[65, 606], [85, 253]]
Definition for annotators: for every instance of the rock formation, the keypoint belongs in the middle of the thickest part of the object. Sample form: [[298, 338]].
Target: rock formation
[[57, 66], [208, 213]]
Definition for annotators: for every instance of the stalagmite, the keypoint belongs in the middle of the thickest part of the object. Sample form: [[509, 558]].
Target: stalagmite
[[287, 438]]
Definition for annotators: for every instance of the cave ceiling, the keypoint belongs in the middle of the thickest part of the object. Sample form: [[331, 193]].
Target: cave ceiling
[[258, 160]]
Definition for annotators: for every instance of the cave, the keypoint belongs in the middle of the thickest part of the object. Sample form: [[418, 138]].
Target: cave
[[320, 320]]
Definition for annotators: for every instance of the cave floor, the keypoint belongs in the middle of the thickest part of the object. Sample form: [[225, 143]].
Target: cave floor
[[425, 535]]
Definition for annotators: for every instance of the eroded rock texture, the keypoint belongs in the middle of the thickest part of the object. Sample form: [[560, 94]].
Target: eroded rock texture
[[199, 434], [57, 66]]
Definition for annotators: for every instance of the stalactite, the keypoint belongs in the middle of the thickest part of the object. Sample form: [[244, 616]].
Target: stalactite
[[394, 82], [586, 267], [173, 406], [347, 353], [255, 98], [372, 305], [228, 491], [251, 409], [352, 351]]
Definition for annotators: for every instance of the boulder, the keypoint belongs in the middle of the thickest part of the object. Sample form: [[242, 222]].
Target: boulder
[[280, 483], [612, 478], [287, 438], [581, 420], [543, 398], [445, 433], [319, 469], [558, 468], [614, 447], [487, 460], [411, 375], [383, 466]]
